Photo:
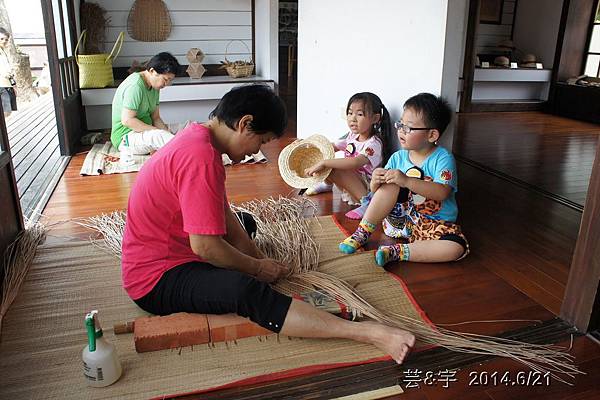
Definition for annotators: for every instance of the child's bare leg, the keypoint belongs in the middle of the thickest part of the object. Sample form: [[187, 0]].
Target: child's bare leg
[[435, 251], [350, 181], [383, 201], [381, 204], [303, 320], [420, 251]]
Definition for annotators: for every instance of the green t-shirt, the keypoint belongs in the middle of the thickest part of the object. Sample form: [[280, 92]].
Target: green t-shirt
[[132, 94]]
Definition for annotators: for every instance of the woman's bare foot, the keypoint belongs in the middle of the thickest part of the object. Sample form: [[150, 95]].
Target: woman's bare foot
[[393, 341]]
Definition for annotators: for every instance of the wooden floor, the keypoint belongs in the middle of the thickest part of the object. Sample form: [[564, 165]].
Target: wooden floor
[[553, 154], [33, 139], [521, 245]]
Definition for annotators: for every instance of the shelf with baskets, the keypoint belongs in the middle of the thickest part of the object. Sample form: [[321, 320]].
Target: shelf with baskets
[[185, 99]]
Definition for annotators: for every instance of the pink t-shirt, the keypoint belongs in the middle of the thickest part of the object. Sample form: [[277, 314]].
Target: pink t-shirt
[[179, 191], [372, 148]]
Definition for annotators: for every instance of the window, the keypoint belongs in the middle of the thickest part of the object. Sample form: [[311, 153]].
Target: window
[[592, 63]]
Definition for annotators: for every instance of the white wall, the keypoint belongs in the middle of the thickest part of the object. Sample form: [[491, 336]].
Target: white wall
[[266, 13], [395, 50], [536, 28], [208, 24]]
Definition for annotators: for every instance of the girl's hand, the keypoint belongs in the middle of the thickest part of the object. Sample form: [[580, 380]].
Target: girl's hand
[[396, 177], [315, 169], [378, 176]]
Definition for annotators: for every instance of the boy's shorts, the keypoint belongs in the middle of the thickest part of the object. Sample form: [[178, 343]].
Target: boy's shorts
[[426, 229]]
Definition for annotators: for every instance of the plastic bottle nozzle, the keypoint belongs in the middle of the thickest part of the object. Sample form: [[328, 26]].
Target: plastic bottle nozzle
[[90, 326]]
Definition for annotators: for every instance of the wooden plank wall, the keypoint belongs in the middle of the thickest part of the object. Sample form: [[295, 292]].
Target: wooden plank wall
[[208, 25], [489, 35]]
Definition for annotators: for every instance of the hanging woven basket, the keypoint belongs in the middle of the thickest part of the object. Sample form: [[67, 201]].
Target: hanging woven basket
[[149, 21]]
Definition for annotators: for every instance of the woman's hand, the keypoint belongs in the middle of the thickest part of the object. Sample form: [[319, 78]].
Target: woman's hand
[[270, 270], [315, 169], [396, 177]]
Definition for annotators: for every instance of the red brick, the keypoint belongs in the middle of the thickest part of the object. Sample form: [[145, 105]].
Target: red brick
[[229, 327], [171, 331]]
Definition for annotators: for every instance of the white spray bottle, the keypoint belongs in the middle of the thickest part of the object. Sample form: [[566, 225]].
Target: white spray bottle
[[101, 366]]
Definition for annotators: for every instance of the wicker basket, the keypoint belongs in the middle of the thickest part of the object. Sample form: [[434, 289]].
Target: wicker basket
[[239, 68]]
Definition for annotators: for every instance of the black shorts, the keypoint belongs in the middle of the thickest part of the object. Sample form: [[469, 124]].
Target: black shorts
[[202, 288]]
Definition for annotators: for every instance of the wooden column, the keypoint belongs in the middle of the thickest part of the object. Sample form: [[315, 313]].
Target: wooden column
[[11, 218], [581, 304], [469, 63]]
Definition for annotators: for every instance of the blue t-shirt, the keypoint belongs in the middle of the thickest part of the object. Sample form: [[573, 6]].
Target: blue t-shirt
[[438, 167]]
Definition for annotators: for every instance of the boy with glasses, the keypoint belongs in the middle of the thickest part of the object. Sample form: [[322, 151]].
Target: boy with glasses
[[414, 195]]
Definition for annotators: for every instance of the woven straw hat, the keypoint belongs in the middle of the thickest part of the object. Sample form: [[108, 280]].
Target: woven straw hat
[[528, 61], [502, 61], [302, 154]]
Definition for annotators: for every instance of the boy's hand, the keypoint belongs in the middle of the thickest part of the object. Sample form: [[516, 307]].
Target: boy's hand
[[396, 177], [315, 169], [270, 270]]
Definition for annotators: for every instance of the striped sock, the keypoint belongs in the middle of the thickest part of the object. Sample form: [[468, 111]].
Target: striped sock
[[358, 238], [396, 252]]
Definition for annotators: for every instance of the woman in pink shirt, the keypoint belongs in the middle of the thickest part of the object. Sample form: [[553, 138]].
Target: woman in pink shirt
[[184, 250]]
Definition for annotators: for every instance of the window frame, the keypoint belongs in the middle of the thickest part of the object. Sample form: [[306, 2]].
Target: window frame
[[593, 23]]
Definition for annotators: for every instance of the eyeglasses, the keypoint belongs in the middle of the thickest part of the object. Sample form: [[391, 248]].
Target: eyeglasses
[[407, 129]]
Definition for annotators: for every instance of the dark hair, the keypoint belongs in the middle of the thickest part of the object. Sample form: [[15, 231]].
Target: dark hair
[[434, 110], [4, 32], [163, 63], [383, 129], [266, 108]]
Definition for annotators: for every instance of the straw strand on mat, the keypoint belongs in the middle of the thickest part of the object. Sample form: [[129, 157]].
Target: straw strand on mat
[[110, 227], [283, 233], [16, 262]]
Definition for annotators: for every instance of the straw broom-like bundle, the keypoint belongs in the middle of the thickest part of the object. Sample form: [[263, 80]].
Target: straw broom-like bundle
[[17, 260], [283, 233]]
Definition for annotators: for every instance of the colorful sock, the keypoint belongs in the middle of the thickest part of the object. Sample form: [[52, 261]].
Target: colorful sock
[[358, 238], [396, 252], [319, 188], [359, 212]]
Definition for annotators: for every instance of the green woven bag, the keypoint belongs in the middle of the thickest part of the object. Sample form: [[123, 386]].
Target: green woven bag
[[95, 70]]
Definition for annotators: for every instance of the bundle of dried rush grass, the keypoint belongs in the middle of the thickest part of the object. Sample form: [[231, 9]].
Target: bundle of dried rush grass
[[283, 231], [283, 234], [16, 263], [543, 358], [94, 21]]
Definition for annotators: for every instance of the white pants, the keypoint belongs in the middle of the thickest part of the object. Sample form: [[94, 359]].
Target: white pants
[[141, 143]]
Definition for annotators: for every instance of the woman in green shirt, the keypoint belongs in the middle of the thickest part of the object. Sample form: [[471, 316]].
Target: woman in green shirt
[[137, 127]]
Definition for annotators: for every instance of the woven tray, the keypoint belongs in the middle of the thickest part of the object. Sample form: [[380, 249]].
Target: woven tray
[[149, 21]]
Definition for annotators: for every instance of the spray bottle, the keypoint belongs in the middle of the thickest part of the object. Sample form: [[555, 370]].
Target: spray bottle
[[101, 366]]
